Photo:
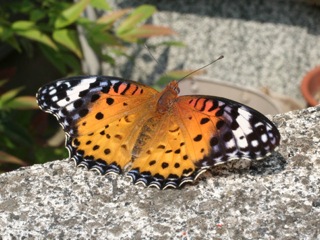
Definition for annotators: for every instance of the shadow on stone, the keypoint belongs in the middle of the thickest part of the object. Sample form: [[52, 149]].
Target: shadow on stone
[[268, 166]]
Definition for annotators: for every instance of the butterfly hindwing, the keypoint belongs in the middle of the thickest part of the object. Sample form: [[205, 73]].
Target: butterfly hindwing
[[165, 161], [200, 132]]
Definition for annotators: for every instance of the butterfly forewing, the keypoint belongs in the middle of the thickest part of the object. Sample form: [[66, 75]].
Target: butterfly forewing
[[101, 116]]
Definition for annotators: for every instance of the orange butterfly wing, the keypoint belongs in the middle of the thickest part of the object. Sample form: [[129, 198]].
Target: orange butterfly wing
[[101, 116], [200, 132], [112, 124]]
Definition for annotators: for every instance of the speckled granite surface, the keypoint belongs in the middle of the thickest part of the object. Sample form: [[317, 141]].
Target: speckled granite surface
[[265, 43], [276, 198]]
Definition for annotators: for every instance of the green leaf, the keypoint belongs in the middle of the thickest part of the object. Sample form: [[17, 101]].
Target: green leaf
[[55, 58], [37, 14], [14, 43], [100, 4], [8, 158], [69, 39], [164, 80], [137, 16], [71, 14], [112, 17], [145, 31], [102, 37], [8, 96], [172, 44], [119, 52], [22, 6], [36, 35], [7, 35], [107, 58], [22, 103], [62, 60], [3, 82], [16, 133], [176, 75], [84, 21], [22, 25], [72, 62]]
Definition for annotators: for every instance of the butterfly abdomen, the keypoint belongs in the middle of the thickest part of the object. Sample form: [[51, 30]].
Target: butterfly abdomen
[[146, 133]]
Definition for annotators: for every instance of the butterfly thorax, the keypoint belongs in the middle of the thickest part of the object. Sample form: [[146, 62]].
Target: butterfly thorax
[[167, 97], [164, 105]]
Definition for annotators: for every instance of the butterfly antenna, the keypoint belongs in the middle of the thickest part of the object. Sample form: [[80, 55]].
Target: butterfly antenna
[[200, 68], [145, 45], [163, 70]]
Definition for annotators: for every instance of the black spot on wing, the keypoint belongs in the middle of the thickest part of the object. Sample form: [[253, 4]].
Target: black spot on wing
[[109, 101], [99, 116], [116, 86]]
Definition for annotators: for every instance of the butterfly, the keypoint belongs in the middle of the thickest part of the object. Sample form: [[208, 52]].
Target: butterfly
[[159, 139]]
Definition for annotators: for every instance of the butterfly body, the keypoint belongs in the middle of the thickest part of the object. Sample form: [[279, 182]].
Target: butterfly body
[[163, 139]]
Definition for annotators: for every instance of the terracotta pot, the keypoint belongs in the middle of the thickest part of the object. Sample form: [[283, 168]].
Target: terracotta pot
[[310, 87]]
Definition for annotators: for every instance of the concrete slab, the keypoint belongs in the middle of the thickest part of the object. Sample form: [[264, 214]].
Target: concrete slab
[[275, 198]]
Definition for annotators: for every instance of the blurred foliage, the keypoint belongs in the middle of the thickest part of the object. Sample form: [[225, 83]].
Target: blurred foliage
[[53, 26], [14, 134]]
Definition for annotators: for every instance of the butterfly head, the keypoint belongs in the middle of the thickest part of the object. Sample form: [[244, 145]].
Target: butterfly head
[[167, 97], [173, 87]]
